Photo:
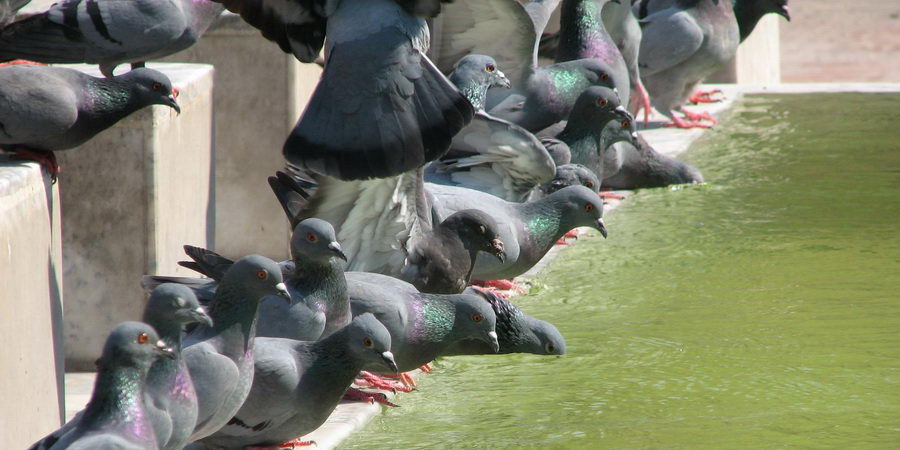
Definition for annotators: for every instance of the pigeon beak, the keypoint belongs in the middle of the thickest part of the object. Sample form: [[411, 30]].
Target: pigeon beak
[[497, 249], [388, 358], [283, 292], [601, 227], [621, 109], [336, 248], [201, 316], [163, 349], [492, 339], [503, 81], [785, 12], [169, 100]]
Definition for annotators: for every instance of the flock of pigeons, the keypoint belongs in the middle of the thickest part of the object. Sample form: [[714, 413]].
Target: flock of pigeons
[[417, 167]]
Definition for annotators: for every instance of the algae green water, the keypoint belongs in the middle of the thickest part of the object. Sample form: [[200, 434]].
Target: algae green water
[[761, 310]]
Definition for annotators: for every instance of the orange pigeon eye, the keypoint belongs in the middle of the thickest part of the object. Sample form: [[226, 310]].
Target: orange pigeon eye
[[604, 76], [589, 184], [477, 318], [143, 338], [156, 86], [602, 102], [368, 342], [490, 68], [626, 123], [311, 237], [262, 274], [588, 207]]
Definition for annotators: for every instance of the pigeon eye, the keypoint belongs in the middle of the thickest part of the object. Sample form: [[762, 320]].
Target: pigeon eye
[[477, 318], [490, 68], [262, 274], [589, 184], [626, 123], [156, 86], [588, 207], [604, 76], [311, 237], [549, 347], [368, 342], [602, 102], [143, 338]]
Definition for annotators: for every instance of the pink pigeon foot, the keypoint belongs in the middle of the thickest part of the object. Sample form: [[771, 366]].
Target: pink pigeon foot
[[706, 97], [371, 380], [696, 117], [289, 444], [641, 100], [45, 158], [610, 196], [357, 395], [427, 368], [681, 123]]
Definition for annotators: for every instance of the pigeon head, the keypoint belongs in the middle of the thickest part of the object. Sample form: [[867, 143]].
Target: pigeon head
[[258, 276], [315, 239], [618, 130], [748, 13], [133, 344], [559, 151], [176, 304], [598, 73], [474, 75], [370, 342], [477, 230], [153, 87], [542, 338], [582, 207], [597, 105], [572, 175], [475, 319]]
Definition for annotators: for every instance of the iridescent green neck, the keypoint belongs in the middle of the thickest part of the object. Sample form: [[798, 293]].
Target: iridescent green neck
[[583, 144], [544, 222], [323, 284], [475, 91], [431, 318], [118, 401], [582, 34], [566, 83]]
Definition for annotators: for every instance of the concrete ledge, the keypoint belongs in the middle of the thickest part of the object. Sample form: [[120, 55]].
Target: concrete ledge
[[259, 95], [131, 197], [31, 298]]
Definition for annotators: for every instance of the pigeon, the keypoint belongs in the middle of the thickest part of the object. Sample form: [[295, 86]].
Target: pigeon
[[386, 226], [116, 416], [8, 10], [422, 325], [296, 385], [517, 332], [170, 401], [685, 41], [625, 31], [43, 109], [568, 175], [503, 29], [490, 154], [646, 168], [529, 229], [108, 32], [220, 358], [381, 107]]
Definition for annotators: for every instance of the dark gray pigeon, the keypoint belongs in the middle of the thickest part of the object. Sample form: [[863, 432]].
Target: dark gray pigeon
[[381, 108], [684, 41], [490, 154], [422, 326], [108, 32], [220, 358], [170, 400], [503, 29], [43, 109], [116, 416], [517, 332], [8, 10], [297, 384], [529, 229], [646, 168], [569, 175]]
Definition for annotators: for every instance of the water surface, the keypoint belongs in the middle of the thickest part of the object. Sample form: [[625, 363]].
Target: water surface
[[760, 310]]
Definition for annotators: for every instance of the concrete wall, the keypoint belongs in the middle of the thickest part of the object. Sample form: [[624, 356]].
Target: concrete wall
[[31, 300], [259, 95], [131, 197], [758, 59]]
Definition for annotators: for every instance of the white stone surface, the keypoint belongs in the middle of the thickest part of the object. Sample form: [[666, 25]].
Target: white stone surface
[[31, 357], [131, 197]]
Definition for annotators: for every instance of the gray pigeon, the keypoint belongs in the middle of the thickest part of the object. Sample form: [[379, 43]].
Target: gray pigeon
[[297, 384], [490, 154], [646, 168], [116, 416], [170, 400], [568, 175], [685, 41], [529, 229], [381, 108], [625, 31], [504, 29], [43, 109], [8, 10], [108, 32], [422, 326], [220, 358], [517, 332]]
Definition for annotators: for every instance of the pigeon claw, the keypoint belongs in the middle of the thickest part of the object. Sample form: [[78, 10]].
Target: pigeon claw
[[377, 382], [45, 158], [681, 123], [356, 395], [707, 97]]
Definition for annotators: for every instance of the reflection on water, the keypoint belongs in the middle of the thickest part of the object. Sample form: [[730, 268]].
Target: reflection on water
[[759, 310]]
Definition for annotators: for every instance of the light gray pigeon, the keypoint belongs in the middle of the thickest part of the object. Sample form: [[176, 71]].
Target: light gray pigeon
[[170, 400], [297, 384], [108, 32], [43, 109], [8, 10], [684, 41], [517, 332], [116, 416], [422, 326], [529, 229], [381, 108], [503, 29], [220, 358], [490, 154]]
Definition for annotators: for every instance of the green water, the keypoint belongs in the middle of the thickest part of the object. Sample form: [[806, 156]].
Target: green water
[[761, 310]]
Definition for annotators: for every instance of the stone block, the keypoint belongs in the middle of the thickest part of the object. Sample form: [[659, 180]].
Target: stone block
[[131, 197], [31, 297]]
